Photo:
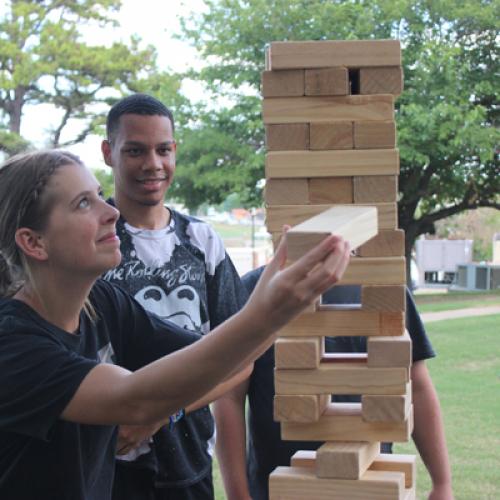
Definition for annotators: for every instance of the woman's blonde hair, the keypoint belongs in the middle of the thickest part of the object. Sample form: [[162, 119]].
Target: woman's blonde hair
[[24, 203]]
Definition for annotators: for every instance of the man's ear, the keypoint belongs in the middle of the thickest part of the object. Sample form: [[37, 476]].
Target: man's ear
[[106, 152], [31, 244]]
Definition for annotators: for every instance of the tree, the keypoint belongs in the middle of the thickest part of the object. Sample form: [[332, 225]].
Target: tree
[[44, 59], [447, 116]]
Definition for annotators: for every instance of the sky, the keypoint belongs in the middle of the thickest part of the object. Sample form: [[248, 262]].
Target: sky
[[155, 22]]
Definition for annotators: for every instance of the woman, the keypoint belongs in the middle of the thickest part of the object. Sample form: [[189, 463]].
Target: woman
[[70, 366]]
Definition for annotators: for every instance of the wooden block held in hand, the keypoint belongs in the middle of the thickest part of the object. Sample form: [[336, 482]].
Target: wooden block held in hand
[[335, 135], [300, 407], [388, 298], [375, 188], [284, 191], [287, 136], [311, 109], [330, 53], [329, 190], [298, 353], [283, 83], [278, 215], [374, 135], [382, 80], [386, 244], [355, 224], [327, 81], [385, 352], [345, 459]]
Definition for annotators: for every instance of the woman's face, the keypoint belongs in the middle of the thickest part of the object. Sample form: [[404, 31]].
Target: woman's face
[[80, 236]]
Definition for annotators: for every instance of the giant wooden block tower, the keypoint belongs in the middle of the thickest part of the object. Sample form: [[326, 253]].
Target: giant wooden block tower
[[332, 166]]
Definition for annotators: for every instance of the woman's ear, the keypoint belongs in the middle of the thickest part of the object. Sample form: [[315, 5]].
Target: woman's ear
[[31, 244]]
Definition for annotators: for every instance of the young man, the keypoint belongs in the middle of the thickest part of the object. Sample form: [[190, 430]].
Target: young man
[[266, 450], [175, 266]]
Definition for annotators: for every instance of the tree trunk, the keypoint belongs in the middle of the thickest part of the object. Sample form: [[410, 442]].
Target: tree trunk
[[16, 110]]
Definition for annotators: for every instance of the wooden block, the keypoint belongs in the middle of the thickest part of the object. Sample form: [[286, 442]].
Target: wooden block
[[315, 109], [346, 424], [375, 271], [385, 244], [327, 81], [375, 188], [355, 224], [325, 53], [300, 407], [283, 83], [381, 80], [340, 163], [290, 483], [385, 352], [344, 459], [279, 215], [298, 353], [304, 458], [392, 324], [335, 135], [410, 494], [390, 298], [287, 136], [397, 463], [384, 462], [393, 408], [328, 190], [342, 378], [295, 483], [285, 191], [374, 135], [330, 322]]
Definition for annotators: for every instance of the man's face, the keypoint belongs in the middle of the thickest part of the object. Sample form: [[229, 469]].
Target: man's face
[[142, 155]]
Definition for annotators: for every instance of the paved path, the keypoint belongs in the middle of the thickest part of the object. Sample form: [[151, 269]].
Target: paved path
[[459, 313]]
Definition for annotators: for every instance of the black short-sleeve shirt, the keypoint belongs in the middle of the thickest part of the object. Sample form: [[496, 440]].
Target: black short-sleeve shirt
[[41, 367], [266, 450]]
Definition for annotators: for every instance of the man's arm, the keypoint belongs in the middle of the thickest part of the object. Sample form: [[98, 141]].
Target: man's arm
[[229, 413], [428, 433]]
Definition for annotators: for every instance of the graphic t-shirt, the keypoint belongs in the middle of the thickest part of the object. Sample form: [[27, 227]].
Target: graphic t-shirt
[[183, 274]]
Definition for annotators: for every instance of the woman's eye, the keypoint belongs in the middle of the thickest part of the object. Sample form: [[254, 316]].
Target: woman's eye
[[84, 203]]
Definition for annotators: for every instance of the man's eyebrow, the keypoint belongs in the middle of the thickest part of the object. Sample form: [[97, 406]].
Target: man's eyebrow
[[138, 143]]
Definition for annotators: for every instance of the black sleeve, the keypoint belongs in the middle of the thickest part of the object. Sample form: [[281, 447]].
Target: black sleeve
[[422, 348], [138, 337], [226, 294], [250, 279], [38, 379]]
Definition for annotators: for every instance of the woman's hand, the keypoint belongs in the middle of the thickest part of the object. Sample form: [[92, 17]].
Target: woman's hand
[[282, 293]]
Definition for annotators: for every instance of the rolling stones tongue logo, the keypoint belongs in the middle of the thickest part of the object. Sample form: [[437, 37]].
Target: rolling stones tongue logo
[[181, 305]]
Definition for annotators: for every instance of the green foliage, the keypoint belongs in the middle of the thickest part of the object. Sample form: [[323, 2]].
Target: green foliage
[[447, 116], [44, 59], [106, 180]]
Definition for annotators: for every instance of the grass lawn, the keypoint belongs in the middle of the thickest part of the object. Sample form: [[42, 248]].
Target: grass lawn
[[466, 373], [434, 302], [467, 377]]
